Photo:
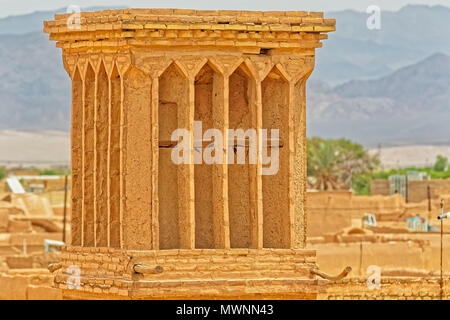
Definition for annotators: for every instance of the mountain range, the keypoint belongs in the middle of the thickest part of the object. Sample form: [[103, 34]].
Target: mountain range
[[410, 105], [405, 37], [373, 86]]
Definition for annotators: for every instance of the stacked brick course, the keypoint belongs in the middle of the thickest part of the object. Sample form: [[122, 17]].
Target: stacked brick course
[[164, 27], [190, 274], [390, 289]]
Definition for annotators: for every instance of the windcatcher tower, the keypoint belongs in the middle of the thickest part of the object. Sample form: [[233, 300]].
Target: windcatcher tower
[[143, 227]]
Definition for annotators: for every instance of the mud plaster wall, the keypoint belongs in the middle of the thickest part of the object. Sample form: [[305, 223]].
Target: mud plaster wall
[[114, 159], [240, 117], [204, 228], [77, 157], [379, 187], [390, 289], [247, 271], [173, 201], [417, 190], [88, 160], [101, 154], [124, 100], [299, 165], [329, 212], [96, 121], [137, 160], [275, 114], [118, 102], [220, 221]]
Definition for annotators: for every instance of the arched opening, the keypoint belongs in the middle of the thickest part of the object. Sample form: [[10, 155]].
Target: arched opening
[[207, 169], [173, 111]]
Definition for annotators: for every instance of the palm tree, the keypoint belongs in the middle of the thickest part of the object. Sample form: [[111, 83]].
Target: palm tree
[[332, 163]]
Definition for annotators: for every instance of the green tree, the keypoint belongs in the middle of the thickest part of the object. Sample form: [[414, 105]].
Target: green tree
[[441, 164], [2, 173], [339, 164]]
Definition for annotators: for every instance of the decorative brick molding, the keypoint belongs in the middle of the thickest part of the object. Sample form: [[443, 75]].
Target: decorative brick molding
[[191, 274], [161, 27]]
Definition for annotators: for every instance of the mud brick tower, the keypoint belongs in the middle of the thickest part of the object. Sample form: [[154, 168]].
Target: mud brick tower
[[146, 228]]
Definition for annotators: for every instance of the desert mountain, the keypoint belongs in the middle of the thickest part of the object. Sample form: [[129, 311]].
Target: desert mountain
[[406, 37], [409, 105], [371, 86]]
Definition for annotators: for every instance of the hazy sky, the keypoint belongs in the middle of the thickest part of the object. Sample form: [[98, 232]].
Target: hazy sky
[[14, 7]]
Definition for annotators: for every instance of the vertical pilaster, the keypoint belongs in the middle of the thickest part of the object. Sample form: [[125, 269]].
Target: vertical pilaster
[[155, 160], [220, 173], [89, 160], [277, 212], [77, 158], [299, 69], [291, 147], [186, 180], [299, 164], [137, 224], [114, 163], [256, 197], [101, 158], [122, 158]]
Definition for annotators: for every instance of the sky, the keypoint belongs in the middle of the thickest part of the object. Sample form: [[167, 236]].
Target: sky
[[17, 7]]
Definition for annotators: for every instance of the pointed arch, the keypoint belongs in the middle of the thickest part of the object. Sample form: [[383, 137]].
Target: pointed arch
[[173, 113]]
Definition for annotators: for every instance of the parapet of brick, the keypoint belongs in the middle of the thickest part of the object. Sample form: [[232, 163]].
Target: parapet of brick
[[167, 27], [190, 274]]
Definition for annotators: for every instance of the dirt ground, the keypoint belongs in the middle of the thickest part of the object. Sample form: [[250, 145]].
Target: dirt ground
[[410, 156], [34, 148]]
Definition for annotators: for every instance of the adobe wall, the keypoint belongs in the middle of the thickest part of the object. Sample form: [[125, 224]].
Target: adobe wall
[[190, 274], [327, 212], [417, 190], [390, 289], [380, 187], [31, 284], [330, 212]]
